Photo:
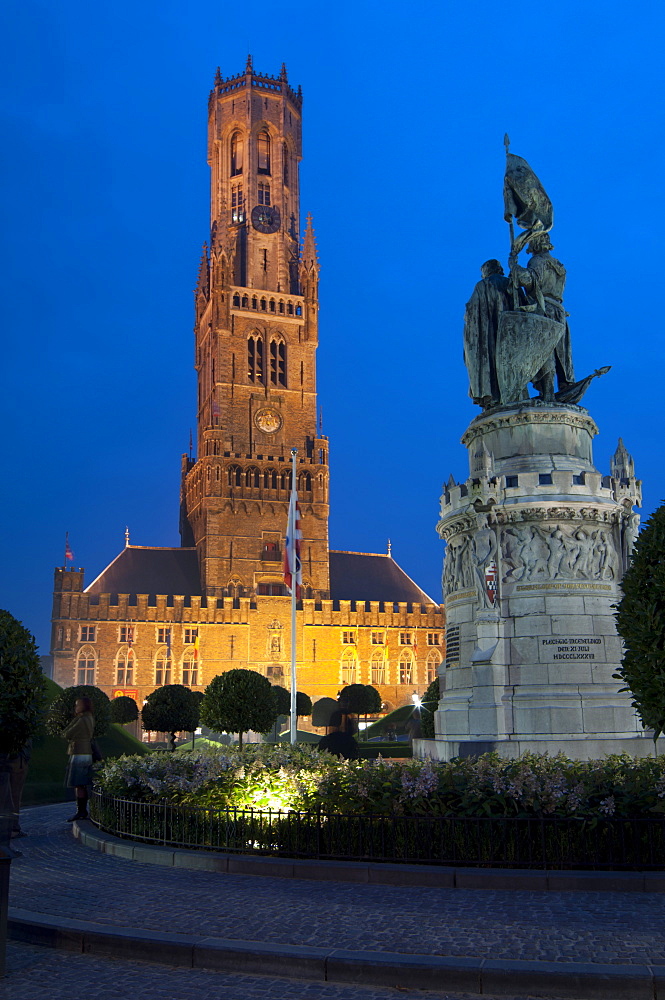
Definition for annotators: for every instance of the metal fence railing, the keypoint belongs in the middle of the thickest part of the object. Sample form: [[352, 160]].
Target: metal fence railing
[[496, 841]]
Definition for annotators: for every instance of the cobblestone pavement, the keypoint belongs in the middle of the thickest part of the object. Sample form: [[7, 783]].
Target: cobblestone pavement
[[87, 978], [58, 876]]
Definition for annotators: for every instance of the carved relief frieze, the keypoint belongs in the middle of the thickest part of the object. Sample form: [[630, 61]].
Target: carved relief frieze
[[558, 552]]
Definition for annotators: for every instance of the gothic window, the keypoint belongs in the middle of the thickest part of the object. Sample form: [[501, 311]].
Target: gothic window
[[406, 668], [245, 302], [405, 639], [270, 479], [433, 661], [281, 306], [85, 665], [124, 667], [349, 638], [191, 635], [277, 362], [298, 310], [433, 638], [349, 666], [164, 634], [162, 667], [286, 481], [272, 305], [285, 163], [289, 308], [237, 204], [126, 633], [378, 667], [236, 301], [263, 145], [190, 669], [264, 304], [264, 193], [255, 302], [87, 633], [306, 482], [252, 478], [237, 153], [255, 366]]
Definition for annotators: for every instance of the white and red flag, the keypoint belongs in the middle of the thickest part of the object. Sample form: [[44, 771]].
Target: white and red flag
[[292, 565], [68, 552]]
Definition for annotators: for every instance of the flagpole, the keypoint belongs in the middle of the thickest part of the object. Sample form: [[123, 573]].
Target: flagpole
[[294, 590]]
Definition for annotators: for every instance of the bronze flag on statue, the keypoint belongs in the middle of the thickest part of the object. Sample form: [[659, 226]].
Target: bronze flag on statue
[[525, 197]]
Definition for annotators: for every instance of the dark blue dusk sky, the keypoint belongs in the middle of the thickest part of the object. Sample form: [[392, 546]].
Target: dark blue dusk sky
[[405, 106]]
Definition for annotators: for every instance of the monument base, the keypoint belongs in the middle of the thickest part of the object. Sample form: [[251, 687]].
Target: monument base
[[537, 543], [587, 748]]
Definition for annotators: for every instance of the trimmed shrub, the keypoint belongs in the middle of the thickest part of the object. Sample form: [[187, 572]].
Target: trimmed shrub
[[22, 689], [61, 711], [124, 709]]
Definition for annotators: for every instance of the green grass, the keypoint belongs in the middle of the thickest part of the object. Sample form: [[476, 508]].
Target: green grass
[[398, 719], [46, 774]]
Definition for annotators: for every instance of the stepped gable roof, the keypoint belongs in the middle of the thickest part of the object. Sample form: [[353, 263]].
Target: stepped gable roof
[[142, 569], [364, 576]]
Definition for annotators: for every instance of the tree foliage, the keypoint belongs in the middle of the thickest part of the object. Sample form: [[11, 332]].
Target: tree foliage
[[374, 700], [124, 709], [170, 709], [239, 700], [303, 704], [356, 698], [641, 624], [322, 710], [430, 703], [22, 688], [61, 712], [282, 699]]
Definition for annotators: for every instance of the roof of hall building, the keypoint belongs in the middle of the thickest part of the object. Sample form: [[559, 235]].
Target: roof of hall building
[[143, 569], [354, 576], [365, 576]]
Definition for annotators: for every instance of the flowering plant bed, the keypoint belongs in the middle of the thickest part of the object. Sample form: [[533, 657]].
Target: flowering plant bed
[[262, 777]]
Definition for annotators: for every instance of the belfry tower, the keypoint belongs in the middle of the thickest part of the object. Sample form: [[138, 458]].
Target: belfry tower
[[256, 304]]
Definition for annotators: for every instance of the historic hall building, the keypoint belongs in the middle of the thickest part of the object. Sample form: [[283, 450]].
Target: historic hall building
[[182, 615]]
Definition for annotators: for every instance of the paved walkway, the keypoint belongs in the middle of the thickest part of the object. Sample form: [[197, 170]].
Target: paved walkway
[[58, 877]]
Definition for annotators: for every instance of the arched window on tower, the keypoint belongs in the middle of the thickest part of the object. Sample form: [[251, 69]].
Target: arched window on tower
[[190, 668], [255, 363], [264, 193], [237, 153], [277, 362], [285, 163], [263, 145]]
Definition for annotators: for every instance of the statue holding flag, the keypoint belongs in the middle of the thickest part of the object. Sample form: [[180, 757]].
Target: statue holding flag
[[515, 329]]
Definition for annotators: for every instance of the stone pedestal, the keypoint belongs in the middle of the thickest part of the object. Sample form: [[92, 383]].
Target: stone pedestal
[[537, 542]]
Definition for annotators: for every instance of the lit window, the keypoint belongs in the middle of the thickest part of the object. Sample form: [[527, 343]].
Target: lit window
[[190, 671], [433, 661], [237, 204], [124, 667], [85, 667], [264, 194], [405, 668], [88, 633], [349, 666], [378, 667], [237, 153], [162, 667], [272, 589]]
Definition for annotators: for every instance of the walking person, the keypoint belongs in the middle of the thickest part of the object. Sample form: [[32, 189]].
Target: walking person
[[79, 770], [18, 772]]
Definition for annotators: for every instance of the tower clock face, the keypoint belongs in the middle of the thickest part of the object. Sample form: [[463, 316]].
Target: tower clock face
[[265, 218]]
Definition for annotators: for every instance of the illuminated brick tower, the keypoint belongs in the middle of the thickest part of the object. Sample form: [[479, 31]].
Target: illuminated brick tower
[[256, 339]]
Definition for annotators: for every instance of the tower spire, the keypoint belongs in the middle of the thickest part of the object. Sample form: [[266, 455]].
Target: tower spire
[[248, 67], [309, 255], [282, 74], [218, 78]]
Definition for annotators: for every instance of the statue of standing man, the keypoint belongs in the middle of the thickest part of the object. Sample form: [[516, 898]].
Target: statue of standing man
[[481, 322]]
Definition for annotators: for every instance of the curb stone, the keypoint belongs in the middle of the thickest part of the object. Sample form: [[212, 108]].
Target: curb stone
[[582, 981], [376, 873]]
